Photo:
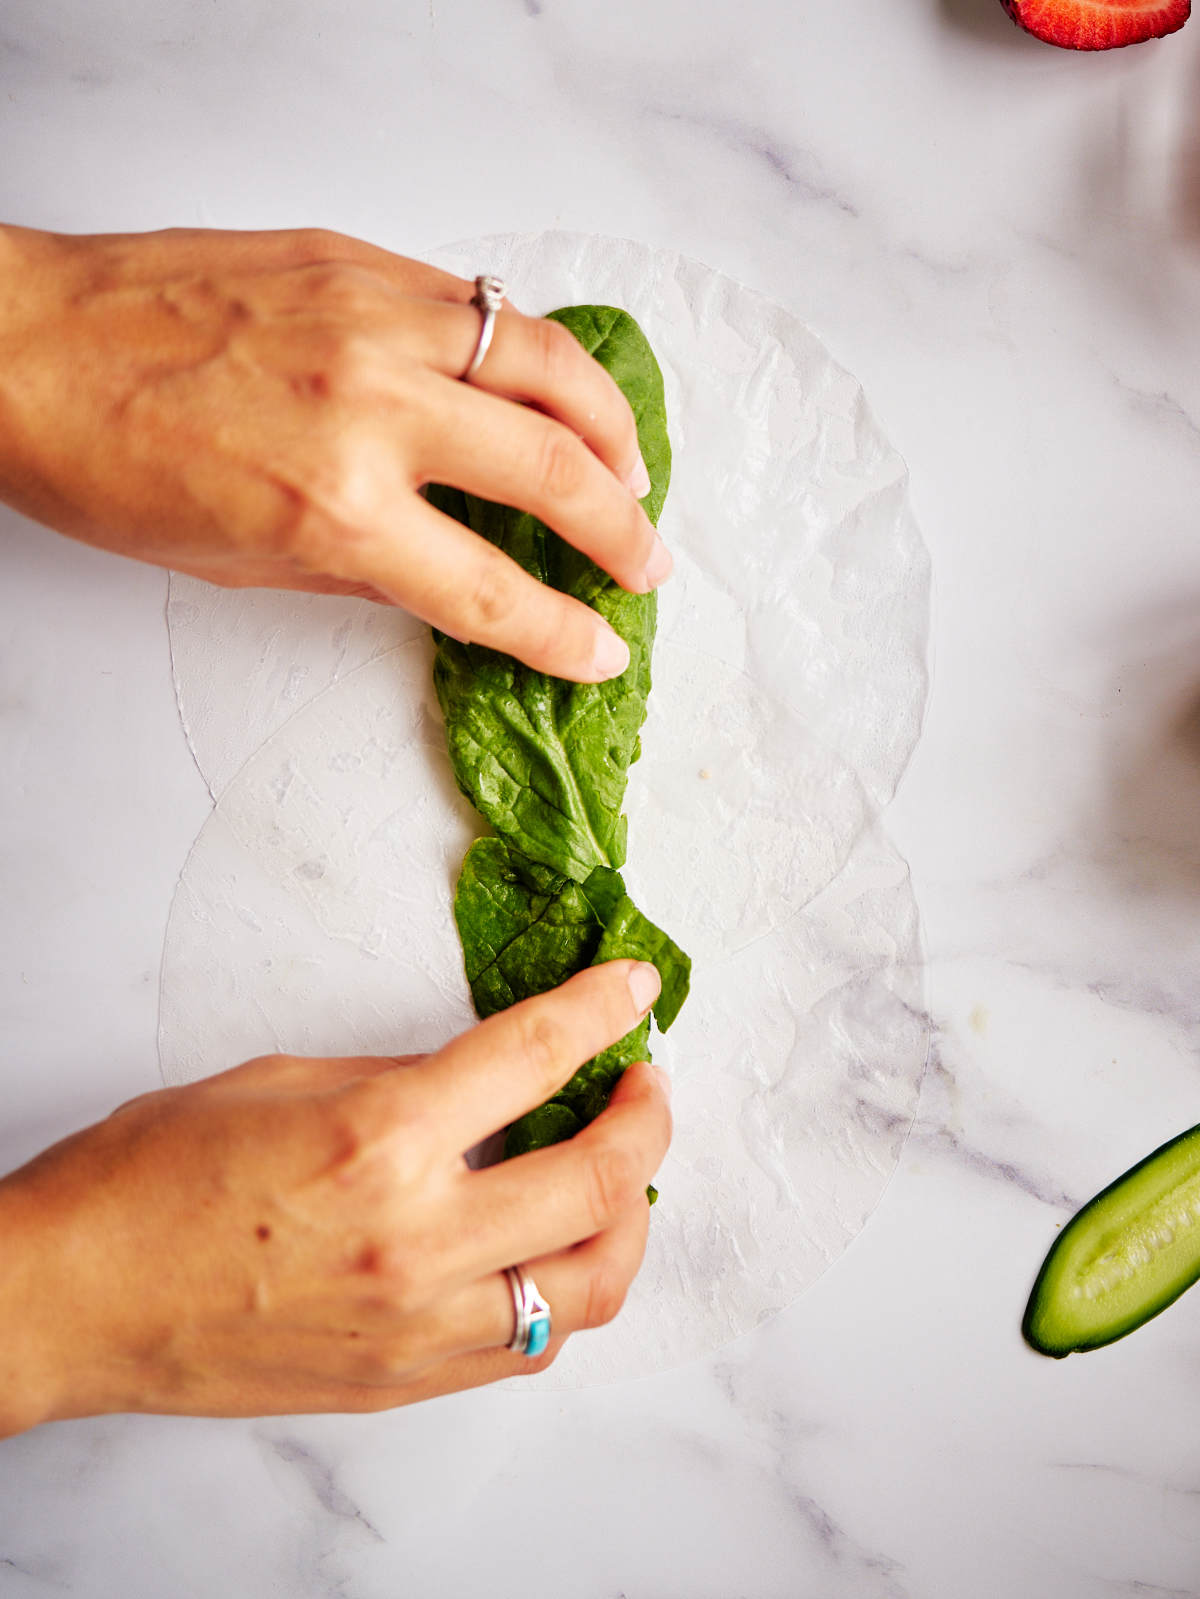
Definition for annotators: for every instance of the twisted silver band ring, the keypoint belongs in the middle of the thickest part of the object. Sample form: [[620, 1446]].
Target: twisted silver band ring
[[487, 300]]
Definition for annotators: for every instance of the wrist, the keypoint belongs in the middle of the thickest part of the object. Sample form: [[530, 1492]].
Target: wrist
[[13, 245], [32, 289], [52, 1321], [30, 1372]]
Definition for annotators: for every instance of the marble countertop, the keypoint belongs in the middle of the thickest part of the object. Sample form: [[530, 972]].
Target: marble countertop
[[1002, 243]]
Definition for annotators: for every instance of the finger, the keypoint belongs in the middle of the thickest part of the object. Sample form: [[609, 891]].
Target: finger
[[516, 456], [302, 1074], [514, 1061], [304, 1386], [441, 571], [531, 361], [454, 1375], [553, 1198], [585, 1287], [485, 1366], [146, 256], [538, 362], [400, 271], [236, 571]]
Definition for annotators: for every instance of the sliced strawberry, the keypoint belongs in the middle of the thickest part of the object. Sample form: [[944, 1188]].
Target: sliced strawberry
[[1098, 24]]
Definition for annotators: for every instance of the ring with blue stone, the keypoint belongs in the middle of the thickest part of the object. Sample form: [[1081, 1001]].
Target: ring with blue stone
[[531, 1314]]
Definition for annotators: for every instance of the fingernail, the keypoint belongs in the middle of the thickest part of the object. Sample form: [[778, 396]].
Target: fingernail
[[664, 1081], [660, 565], [639, 480], [611, 655], [644, 985]]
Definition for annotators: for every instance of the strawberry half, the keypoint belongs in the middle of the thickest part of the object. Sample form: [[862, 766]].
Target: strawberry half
[[1098, 24]]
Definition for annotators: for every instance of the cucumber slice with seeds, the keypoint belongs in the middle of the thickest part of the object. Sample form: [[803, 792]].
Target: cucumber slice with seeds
[[1128, 1254]]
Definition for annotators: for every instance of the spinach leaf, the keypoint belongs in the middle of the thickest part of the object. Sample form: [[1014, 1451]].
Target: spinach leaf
[[627, 933], [524, 928], [546, 762], [551, 1123]]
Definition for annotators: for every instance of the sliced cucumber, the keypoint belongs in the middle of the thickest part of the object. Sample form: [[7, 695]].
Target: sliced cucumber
[[1128, 1254]]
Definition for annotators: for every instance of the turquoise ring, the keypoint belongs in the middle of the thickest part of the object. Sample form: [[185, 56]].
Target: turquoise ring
[[531, 1314]]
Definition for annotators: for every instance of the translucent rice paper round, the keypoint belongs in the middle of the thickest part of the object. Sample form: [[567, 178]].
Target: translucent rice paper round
[[314, 913], [797, 555]]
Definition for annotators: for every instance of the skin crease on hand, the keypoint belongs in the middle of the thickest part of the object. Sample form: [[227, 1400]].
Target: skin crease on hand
[[263, 409], [305, 1235]]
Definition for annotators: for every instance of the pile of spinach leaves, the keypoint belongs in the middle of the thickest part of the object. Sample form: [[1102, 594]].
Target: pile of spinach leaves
[[545, 761]]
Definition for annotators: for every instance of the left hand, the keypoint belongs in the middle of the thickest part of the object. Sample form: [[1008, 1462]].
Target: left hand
[[263, 409]]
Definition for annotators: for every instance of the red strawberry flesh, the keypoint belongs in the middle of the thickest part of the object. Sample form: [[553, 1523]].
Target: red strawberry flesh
[[1098, 24]]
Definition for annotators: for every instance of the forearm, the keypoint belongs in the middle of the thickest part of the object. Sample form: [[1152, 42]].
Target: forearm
[[31, 269], [65, 1305], [15, 271], [31, 1389]]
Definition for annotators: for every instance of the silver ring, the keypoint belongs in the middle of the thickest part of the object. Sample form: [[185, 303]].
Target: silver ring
[[531, 1314], [487, 299]]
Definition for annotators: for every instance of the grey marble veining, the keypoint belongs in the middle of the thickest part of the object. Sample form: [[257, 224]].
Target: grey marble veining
[[1002, 243]]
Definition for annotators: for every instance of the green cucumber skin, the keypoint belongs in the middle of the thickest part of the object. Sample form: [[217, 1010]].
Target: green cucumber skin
[[1049, 1326]]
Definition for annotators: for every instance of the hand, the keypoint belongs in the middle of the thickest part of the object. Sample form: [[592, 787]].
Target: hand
[[301, 1235], [262, 409]]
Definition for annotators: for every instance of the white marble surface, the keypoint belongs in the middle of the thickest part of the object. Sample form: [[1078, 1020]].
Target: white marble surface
[[1002, 242]]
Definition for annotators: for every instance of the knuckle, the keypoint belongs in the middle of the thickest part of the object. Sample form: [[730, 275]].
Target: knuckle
[[345, 365], [496, 592], [321, 520], [342, 287], [389, 1138], [344, 481], [613, 1182], [291, 522], [605, 1297], [398, 1282], [319, 244], [385, 1362], [556, 351], [544, 1044], [348, 1135], [402, 1282], [563, 464], [357, 1132], [272, 1062], [145, 1105]]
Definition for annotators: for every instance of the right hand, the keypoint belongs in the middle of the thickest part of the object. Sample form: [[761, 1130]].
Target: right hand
[[305, 1235]]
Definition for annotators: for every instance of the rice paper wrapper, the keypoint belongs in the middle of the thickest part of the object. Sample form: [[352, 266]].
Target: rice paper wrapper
[[314, 912]]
